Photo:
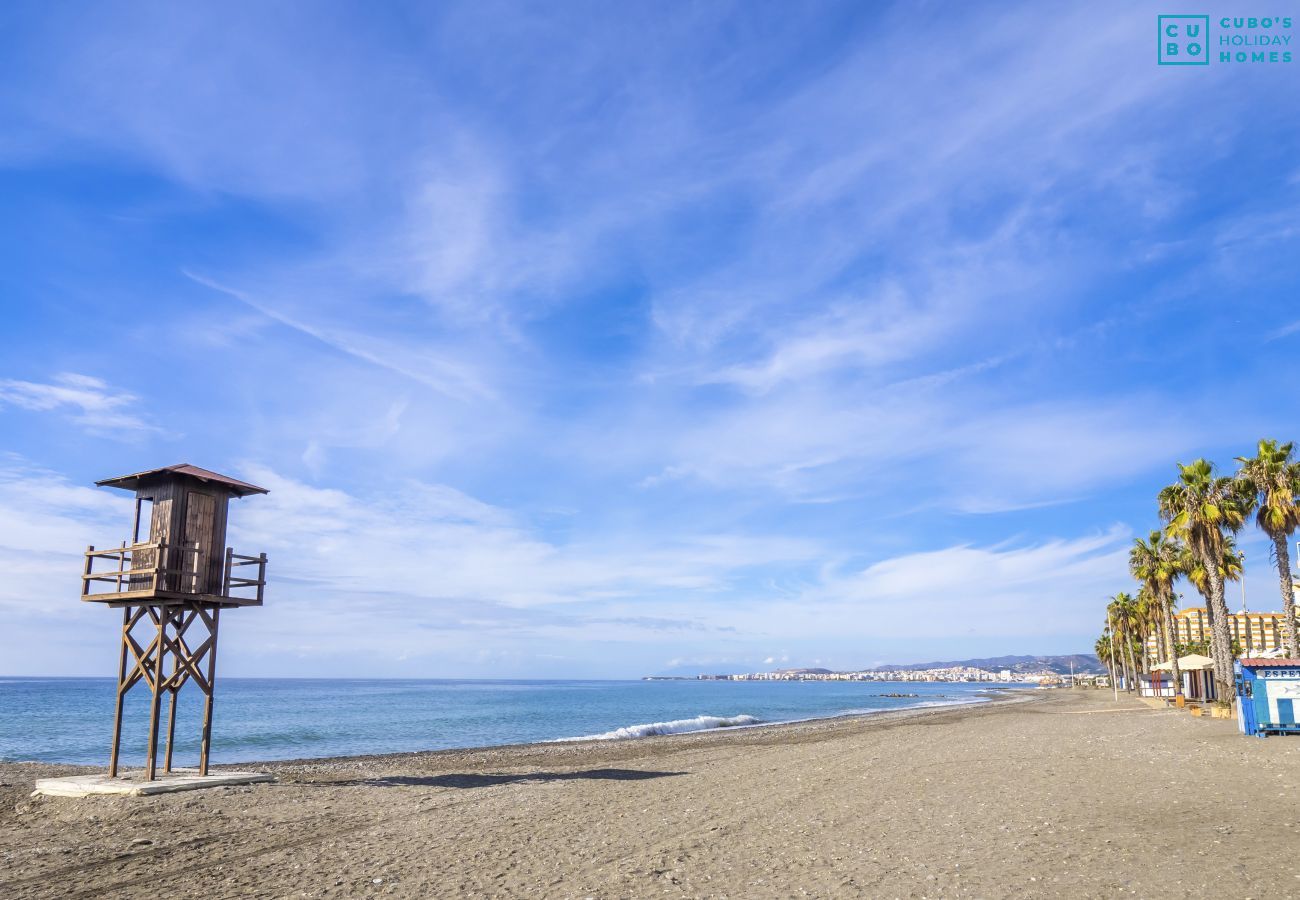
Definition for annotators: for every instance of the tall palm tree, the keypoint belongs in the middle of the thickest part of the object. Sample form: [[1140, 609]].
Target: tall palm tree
[[1105, 653], [1273, 477], [1230, 568], [1148, 611], [1123, 613], [1200, 508], [1157, 562]]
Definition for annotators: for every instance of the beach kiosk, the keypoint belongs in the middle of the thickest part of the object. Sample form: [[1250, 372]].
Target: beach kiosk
[[1268, 694], [171, 586], [1197, 679]]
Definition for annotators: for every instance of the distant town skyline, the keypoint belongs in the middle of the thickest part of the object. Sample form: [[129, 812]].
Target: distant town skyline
[[582, 341]]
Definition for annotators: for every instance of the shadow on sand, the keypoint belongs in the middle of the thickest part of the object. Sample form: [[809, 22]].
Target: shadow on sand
[[469, 780]]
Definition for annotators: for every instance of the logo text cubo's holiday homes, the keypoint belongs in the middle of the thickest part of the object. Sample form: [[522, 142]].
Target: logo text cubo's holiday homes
[[1187, 40], [1248, 39]]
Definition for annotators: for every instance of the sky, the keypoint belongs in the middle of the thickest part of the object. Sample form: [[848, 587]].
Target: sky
[[598, 340]]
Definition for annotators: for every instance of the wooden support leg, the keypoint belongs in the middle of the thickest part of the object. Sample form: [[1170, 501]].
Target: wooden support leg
[[151, 767], [212, 689], [171, 726], [174, 687], [121, 693]]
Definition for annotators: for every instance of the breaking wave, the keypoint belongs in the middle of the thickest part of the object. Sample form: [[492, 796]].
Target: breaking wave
[[676, 726]]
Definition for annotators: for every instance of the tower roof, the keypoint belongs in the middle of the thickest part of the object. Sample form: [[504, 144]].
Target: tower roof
[[236, 487]]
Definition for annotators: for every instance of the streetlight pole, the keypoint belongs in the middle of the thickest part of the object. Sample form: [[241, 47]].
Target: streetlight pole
[[1245, 616], [1243, 582]]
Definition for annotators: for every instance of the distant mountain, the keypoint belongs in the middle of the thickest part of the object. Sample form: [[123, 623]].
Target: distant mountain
[[1086, 663]]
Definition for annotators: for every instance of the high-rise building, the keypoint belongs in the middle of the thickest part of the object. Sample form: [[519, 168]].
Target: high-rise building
[[1250, 630]]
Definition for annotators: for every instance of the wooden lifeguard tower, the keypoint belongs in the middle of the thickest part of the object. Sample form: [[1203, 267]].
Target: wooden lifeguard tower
[[176, 580]]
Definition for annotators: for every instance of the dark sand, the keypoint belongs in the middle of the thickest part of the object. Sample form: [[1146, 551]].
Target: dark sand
[[1067, 794]]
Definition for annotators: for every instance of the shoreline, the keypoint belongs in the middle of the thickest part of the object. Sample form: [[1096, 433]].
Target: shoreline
[[1000, 694], [558, 751]]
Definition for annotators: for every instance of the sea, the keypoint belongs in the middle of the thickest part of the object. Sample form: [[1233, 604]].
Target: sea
[[69, 720]]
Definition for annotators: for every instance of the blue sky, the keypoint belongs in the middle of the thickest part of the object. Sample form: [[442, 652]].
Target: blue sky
[[596, 340]]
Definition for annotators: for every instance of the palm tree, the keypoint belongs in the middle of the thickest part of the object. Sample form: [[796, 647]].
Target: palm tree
[[1199, 508], [1148, 611], [1231, 563], [1105, 653], [1273, 477], [1123, 613], [1157, 562]]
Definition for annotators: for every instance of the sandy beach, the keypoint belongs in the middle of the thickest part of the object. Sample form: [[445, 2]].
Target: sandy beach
[[1065, 793]]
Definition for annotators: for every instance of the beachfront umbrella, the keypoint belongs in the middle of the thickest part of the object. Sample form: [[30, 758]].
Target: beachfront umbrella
[[1186, 663]]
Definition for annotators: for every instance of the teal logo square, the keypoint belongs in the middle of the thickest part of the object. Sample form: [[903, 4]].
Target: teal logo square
[[1183, 40]]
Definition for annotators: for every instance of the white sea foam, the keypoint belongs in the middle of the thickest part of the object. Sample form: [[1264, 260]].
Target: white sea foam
[[676, 726], [708, 723]]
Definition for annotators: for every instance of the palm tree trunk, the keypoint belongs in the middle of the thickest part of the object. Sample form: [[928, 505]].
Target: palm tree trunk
[[1171, 650], [1132, 666], [1288, 595], [1220, 636]]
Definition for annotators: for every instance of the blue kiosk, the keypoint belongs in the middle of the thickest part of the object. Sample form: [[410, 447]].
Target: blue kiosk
[[1268, 696]]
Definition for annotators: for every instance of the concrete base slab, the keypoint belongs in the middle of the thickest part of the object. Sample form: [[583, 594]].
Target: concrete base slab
[[135, 785]]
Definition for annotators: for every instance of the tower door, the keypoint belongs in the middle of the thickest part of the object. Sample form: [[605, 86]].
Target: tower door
[[200, 515]]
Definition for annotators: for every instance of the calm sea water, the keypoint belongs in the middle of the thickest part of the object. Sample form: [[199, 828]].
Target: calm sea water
[[69, 720]]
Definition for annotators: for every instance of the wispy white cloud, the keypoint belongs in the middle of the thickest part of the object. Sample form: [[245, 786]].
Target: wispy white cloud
[[845, 173], [428, 368], [959, 448], [433, 542], [46, 522], [1016, 590], [85, 400], [1285, 331], [1021, 593]]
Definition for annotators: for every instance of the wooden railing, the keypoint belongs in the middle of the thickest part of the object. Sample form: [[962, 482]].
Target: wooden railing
[[151, 567], [236, 582], [143, 567]]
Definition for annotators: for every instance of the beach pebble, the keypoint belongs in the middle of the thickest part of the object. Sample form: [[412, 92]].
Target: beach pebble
[[140, 842]]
